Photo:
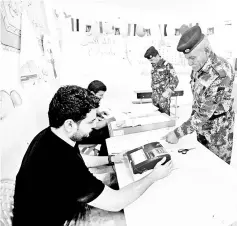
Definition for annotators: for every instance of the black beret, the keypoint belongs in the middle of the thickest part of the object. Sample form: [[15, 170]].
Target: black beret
[[151, 52], [190, 39]]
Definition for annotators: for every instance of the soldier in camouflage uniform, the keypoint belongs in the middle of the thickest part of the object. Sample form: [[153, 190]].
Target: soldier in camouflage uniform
[[163, 80], [212, 80]]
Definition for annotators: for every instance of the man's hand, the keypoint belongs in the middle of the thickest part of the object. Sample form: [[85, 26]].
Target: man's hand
[[171, 138], [160, 171], [119, 157]]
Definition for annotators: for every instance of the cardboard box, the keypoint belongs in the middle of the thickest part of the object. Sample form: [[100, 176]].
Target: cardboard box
[[140, 123]]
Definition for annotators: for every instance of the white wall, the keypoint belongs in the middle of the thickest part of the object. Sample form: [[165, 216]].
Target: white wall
[[9, 77], [77, 68]]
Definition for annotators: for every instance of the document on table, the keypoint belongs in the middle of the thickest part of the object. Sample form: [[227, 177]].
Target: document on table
[[137, 121], [150, 120]]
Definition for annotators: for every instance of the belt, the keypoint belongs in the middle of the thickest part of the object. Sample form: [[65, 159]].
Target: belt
[[214, 116], [217, 116]]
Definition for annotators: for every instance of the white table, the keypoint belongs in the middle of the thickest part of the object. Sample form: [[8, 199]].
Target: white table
[[202, 191]]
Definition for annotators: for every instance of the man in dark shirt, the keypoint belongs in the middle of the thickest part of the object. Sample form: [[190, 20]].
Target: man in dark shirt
[[53, 184], [100, 133]]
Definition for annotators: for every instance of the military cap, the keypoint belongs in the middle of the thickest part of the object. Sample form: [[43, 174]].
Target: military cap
[[151, 52], [190, 39]]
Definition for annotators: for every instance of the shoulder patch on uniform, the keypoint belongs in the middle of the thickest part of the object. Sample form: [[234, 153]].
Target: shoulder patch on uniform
[[207, 79], [219, 67]]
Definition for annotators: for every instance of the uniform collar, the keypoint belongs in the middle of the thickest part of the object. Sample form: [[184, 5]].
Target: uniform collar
[[159, 63], [206, 78]]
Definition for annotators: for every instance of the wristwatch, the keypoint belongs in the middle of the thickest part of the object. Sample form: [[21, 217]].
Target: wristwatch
[[110, 160]]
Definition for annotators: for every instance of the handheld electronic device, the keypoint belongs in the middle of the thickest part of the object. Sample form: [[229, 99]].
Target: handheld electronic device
[[145, 157]]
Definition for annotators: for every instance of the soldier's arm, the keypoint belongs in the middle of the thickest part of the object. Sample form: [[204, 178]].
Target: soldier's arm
[[153, 85], [211, 98], [172, 76]]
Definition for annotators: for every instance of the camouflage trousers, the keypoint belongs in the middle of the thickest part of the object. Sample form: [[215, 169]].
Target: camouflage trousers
[[217, 135], [162, 103]]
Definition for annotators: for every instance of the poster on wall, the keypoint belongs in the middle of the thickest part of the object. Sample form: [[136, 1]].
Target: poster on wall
[[37, 66], [24, 27], [11, 25], [11, 21]]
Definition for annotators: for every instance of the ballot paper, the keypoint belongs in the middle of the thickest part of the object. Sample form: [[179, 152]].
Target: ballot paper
[[150, 120]]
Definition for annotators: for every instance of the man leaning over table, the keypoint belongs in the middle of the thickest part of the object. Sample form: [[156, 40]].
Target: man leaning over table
[[100, 132], [211, 82], [54, 185]]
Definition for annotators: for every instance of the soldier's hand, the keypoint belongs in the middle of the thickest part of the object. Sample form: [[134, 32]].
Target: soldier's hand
[[171, 138], [167, 93]]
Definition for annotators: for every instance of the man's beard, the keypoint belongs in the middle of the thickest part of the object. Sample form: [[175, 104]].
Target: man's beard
[[77, 138]]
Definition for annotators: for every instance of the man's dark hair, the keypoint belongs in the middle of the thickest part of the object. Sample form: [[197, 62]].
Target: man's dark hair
[[70, 102], [96, 86]]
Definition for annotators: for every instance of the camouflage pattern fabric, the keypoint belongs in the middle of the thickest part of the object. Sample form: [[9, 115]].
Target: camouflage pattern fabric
[[163, 77], [162, 103], [212, 116]]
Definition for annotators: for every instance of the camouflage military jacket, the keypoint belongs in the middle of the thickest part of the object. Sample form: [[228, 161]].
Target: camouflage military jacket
[[163, 76], [211, 87]]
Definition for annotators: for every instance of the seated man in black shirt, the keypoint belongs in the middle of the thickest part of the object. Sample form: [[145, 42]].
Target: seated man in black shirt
[[53, 184], [100, 133]]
